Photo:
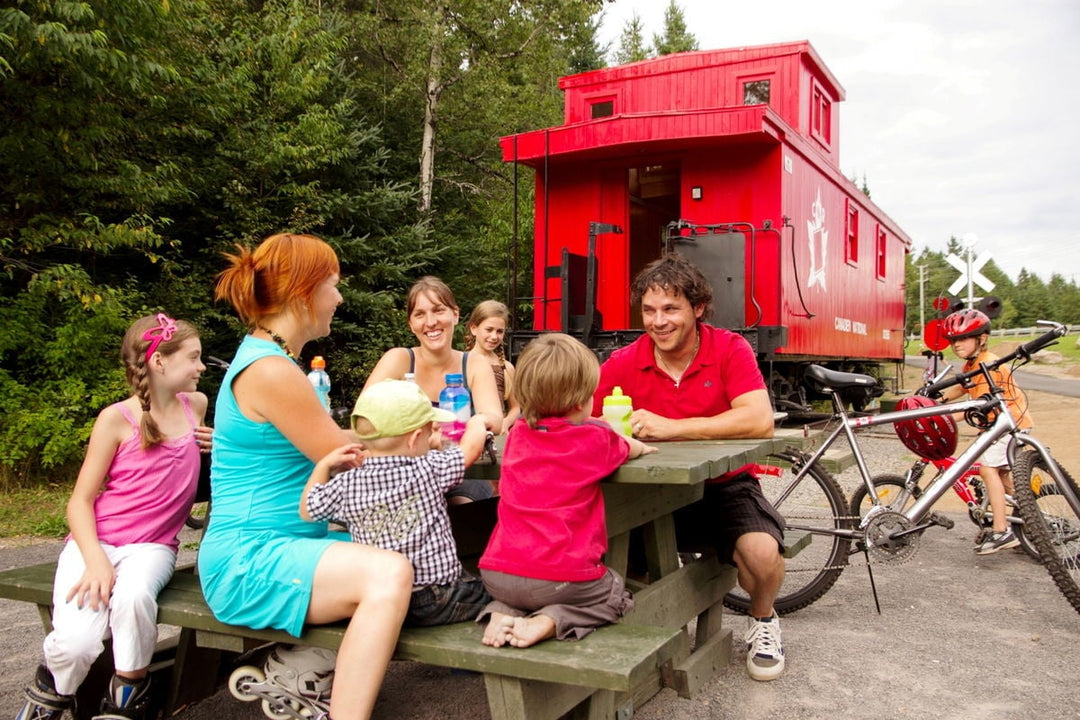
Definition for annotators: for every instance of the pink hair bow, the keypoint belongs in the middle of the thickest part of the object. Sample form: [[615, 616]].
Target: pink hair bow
[[156, 335]]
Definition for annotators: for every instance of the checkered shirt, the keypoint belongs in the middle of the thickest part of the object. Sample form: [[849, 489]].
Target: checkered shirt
[[398, 503]]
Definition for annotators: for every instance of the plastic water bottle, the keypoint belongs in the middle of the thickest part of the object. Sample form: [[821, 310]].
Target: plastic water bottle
[[320, 380], [455, 398], [617, 409]]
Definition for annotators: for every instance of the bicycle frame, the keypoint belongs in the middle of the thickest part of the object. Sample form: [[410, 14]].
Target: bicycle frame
[[848, 427], [960, 487]]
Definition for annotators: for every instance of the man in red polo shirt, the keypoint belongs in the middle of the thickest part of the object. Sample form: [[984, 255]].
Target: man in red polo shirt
[[692, 381]]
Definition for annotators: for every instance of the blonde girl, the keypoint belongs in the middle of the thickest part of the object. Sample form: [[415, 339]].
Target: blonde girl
[[134, 490], [485, 331]]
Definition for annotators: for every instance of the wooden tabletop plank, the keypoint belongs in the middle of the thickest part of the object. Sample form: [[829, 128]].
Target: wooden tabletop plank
[[686, 462]]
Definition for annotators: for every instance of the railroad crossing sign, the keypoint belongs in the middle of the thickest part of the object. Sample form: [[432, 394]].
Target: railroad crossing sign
[[969, 269]]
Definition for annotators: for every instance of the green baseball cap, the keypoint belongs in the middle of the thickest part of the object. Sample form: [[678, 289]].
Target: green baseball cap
[[396, 407]]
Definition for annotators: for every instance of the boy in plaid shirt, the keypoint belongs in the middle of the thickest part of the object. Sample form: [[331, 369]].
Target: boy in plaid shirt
[[396, 498]]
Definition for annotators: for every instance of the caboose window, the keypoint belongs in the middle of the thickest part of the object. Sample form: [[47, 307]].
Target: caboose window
[[851, 234], [879, 254], [756, 92], [820, 115], [602, 109]]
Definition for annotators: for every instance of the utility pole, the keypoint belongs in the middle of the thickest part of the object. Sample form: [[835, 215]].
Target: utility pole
[[922, 296]]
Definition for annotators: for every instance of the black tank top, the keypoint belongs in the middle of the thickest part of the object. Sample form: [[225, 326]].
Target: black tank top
[[464, 375]]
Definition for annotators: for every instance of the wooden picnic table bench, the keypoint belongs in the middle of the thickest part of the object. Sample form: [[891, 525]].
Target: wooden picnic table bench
[[603, 676]]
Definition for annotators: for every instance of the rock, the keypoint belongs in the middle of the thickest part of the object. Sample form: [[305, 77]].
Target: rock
[[1048, 357]]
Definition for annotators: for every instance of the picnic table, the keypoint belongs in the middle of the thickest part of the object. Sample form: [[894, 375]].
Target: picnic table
[[605, 675]]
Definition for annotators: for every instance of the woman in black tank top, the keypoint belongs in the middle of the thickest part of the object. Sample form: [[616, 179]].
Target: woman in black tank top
[[433, 314]]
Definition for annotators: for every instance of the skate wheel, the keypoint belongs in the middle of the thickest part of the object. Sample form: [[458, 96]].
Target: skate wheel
[[284, 708], [240, 678]]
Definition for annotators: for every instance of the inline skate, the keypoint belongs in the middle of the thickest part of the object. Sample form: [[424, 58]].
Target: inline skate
[[294, 683], [42, 700], [125, 700]]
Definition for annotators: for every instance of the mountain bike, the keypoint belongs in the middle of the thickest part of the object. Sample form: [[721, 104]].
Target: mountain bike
[[815, 507], [897, 491]]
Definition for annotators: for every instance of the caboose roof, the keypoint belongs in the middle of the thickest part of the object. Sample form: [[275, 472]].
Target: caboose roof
[[698, 59], [678, 102]]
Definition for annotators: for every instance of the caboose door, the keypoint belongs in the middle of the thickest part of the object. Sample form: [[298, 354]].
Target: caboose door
[[721, 257]]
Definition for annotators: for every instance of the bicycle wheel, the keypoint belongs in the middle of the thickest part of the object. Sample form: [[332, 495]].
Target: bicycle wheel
[[817, 502], [892, 492], [1050, 521]]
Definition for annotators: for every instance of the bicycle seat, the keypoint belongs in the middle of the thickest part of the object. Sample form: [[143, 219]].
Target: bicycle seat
[[836, 380]]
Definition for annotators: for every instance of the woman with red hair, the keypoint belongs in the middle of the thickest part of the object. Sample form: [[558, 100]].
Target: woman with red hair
[[260, 564]]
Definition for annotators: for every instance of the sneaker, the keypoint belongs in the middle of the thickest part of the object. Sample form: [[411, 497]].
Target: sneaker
[[764, 651], [997, 541], [42, 700]]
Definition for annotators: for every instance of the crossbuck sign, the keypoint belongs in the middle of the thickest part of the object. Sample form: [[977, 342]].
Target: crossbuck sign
[[969, 269]]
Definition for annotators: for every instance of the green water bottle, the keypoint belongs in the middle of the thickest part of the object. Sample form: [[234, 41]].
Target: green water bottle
[[617, 409]]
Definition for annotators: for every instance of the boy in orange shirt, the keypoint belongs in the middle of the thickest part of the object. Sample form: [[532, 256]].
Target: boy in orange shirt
[[968, 331]]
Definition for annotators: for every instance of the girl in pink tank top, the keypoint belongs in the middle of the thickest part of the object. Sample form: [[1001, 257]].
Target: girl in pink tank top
[[136, 485]]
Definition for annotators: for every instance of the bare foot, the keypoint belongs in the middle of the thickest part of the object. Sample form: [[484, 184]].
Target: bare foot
[[497, 632], [531, 630]]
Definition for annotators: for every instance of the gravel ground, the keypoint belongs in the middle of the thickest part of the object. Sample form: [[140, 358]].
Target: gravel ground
[[946, 617]]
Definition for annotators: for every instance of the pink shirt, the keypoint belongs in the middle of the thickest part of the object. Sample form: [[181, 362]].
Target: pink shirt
[[551, 523], [148, 493]]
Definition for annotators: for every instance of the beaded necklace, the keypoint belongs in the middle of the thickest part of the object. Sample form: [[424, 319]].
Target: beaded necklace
[[280, 342]]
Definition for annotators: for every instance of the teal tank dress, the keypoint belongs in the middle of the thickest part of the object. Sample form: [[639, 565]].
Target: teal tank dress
[[257, 557]]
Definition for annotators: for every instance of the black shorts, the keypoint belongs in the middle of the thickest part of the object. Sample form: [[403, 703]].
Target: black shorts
[[727, 511], [473, 490]]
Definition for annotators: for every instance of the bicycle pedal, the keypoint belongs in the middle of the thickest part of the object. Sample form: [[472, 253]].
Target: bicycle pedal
[[941, 520]]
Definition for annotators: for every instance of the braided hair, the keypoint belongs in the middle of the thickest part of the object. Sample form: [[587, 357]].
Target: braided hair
[[140, 338]]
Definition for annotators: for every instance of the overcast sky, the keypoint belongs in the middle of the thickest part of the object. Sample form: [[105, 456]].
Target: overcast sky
[[963, 115]]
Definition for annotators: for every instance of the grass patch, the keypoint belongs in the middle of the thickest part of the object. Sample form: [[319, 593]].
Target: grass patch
[[1066, 346], [38, 511]]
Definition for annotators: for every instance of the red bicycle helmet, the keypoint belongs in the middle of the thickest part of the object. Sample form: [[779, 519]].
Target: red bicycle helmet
[[966, 323], [933, 438]]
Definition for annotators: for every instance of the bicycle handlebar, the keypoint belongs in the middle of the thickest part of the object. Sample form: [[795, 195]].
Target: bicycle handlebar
[[1024, 352]]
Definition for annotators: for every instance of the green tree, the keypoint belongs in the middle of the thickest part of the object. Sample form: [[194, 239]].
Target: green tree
[[584, 51], [1033, 300], [675, 36], [632, 47], [84, 168], [438, 46], [500, 76]]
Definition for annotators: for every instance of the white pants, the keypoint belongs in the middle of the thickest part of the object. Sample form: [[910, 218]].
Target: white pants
[[142, 570]]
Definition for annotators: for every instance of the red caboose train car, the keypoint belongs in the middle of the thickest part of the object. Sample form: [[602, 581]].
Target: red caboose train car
[[732, 158]]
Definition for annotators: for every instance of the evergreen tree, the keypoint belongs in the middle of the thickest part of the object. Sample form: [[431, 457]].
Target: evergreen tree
[[583, 46], [632, 46], [1033, 300], [675, 37]]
